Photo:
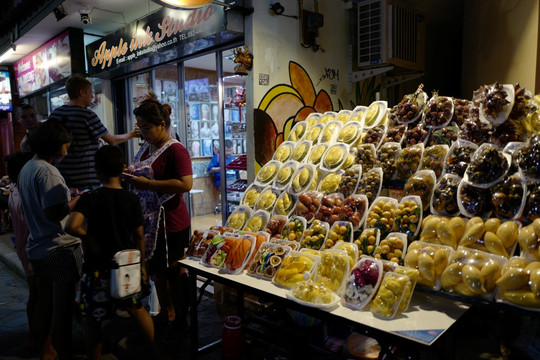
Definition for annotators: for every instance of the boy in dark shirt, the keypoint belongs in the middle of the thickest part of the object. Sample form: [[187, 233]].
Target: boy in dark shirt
[[114, 222]]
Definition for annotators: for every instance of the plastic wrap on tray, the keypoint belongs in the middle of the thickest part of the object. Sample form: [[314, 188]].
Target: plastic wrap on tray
[[444, 199], [284, 174], [443, 230], [374, 135], [350, 132], [434, 158], [488, 166], [444, 136], [315, 235], [371, 183], [496, 102], [284, 151], [430, 260], [459, 157], [250, 195], [330, 182], [438, 111], [349, 180], [422, 184], [312, 294], [327, 117], [330, 132], [409, 160], [381, 215], [331, 208], [267, 199], [519, 283], [294, 245], [412, 274], [275, 225], [312, 119], [332, 270], [475, 131], [367, 241], [491, 235], [529, 240], [508, 197], [462, 110], [354, 209], [340, 231], [531, 210], [294, 229], [472, 273], [415, 134], [386, 302], [410, 108], [308, 204], [358, 114], [260, 237], [199, 242], [238, 218], [315, 154], [366, 155], [343, 116], [394, 134], [295, 268], [363, 282], [229, 252], [409, 216], [314, 133], [334, 157], [267, 173], [257, 221], [298, 131], [393, 248], [512, 148], [285, 204], [474, 201], [387, 156], [349, 161], [301, 150], [529, 159], [267, 260], [375, 114], [351, 249]]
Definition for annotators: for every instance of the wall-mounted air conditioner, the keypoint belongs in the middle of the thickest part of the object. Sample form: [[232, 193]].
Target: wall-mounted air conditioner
[[387, 32]]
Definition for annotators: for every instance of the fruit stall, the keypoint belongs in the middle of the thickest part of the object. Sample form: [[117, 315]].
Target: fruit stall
[[365, 214]]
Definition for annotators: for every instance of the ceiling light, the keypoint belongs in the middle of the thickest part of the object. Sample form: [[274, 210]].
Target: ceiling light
[[5, 55], [277, 8], [59, 12], [183, 4]]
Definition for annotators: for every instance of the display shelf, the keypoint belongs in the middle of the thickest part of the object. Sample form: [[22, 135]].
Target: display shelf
[[240, 163], [239, 185], [428, 317]]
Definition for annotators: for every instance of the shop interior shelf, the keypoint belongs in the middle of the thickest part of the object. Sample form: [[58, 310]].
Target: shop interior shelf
[[239, 185], [239, 164]]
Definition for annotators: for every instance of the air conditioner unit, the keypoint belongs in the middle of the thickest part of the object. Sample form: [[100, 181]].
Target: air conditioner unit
[[387, 32]]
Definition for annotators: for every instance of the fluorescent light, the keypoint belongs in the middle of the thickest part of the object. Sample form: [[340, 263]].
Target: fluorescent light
[[183, 4], [5, 55]]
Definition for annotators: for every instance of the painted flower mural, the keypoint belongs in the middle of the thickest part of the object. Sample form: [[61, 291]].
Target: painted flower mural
[[283, 106]]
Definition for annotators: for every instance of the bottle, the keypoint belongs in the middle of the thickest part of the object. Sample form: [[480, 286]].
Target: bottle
[[231, 339], [154, 302]]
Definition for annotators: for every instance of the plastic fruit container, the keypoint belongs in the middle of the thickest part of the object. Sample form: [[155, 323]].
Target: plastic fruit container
[[363, 282], [295, 267], [386, 302], [430, 260]]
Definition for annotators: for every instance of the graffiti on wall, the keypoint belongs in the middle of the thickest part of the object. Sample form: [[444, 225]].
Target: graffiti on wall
[[283, 106]]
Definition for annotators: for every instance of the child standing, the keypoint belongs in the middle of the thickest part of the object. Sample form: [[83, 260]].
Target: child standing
[[114, 222]]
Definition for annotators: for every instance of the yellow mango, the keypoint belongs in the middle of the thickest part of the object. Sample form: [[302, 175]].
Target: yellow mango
[[473, 221], [494, 244], [513, 279], [473, 234], [473, 279], [492, 224], [446, 235], [522, 298], [465, 289], [515, 262], [536, 226], [411, 259], [426, 268], [490, 272], [532, 266], [508, 233], [451, 275], [534, 281], [441, 257], [457, 225], [430, 227], [527, 238]]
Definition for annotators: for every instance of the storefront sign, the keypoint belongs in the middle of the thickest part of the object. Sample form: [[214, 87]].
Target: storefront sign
[[5, 92], [45, 66], [159, 31]]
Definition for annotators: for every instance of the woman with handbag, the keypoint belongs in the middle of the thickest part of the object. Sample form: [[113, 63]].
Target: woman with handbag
[[162, 173], [55, 256]]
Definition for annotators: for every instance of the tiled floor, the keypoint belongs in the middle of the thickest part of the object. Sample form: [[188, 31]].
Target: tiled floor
[[205, 221]]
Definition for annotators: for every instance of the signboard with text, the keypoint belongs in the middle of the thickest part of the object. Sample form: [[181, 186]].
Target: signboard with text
[[158, 32], [46, 65]]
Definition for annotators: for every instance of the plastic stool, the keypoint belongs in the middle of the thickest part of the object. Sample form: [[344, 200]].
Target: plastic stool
[[196, 191]]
